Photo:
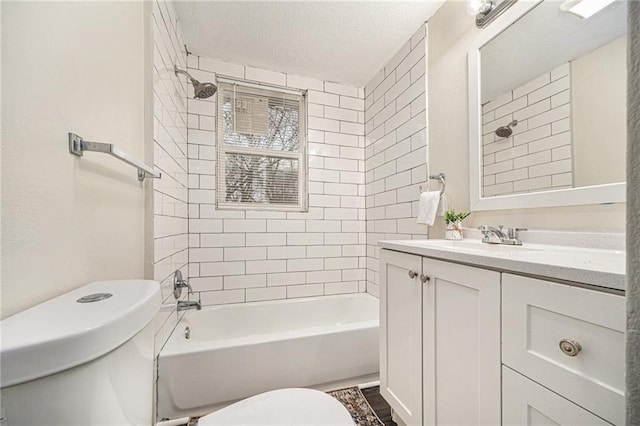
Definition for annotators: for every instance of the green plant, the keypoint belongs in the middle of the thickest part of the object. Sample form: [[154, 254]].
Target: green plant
[[450, 216]]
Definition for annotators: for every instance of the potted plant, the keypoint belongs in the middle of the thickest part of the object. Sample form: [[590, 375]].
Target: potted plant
[[454, 224]]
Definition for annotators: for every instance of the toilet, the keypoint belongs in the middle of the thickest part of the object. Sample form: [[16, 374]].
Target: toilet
[[87, 358]]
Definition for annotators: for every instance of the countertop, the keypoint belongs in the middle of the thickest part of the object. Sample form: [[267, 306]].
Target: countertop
[[596, 267]]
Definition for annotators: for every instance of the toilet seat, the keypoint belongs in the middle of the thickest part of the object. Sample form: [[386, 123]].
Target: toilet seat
[[282, 407]]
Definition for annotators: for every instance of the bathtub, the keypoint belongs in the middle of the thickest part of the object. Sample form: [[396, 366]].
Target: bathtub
[[236, 351]]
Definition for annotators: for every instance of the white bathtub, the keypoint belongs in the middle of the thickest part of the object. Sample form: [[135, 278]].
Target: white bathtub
[[235, 351]]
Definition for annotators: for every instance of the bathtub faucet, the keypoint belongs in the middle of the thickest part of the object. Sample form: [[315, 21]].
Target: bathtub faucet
[[185, 305]]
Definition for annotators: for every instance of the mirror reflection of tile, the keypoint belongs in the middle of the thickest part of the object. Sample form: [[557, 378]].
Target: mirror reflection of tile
[[538, 154]]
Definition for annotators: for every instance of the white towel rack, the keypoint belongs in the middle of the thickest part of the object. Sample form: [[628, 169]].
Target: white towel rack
[[77, 146]]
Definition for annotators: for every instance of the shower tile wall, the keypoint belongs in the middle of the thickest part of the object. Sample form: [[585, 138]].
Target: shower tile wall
[[538, 156], [247, 255], [395, 150], [170, 157]]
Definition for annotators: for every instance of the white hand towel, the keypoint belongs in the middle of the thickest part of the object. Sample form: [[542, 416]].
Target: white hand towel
[[428, 207], [444, 205]]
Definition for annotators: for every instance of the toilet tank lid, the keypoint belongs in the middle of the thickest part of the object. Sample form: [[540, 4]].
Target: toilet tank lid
[[68, 330]]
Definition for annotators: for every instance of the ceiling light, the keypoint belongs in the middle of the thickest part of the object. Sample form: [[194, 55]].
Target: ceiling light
[[584, 8]]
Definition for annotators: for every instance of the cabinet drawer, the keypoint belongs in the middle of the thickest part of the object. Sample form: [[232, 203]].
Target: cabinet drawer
[[527, 403], [537, 315]]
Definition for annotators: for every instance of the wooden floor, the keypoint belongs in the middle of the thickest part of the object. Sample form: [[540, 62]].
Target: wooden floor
[[379, 405]]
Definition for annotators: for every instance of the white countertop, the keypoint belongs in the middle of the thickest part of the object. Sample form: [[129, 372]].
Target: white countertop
[[602, 268]]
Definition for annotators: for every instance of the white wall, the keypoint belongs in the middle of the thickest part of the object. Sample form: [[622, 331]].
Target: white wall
[[248, 255], [396, 150], [67, 221], [170, 194], [599, 114], [451, 30]]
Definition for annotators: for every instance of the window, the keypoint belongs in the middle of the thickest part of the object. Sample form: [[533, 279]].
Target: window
[[261, 148]]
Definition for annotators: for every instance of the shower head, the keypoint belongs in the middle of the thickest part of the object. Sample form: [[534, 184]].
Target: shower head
[[204, 90], [200, 90], [505, 131]]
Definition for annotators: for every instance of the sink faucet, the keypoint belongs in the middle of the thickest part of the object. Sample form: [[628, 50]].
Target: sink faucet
[[493, 235]]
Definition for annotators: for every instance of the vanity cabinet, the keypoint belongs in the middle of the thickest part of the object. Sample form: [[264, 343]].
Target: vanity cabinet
[[401, 334], [527, 403], [567, 338], [467, 345], [440, 344]]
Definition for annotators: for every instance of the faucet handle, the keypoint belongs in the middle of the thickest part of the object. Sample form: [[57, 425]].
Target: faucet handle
[[513, 232], [179, 283]]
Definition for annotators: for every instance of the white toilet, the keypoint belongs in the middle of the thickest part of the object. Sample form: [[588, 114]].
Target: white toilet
[[86, 358]]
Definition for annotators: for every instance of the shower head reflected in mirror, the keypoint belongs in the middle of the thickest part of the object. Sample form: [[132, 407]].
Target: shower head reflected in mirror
[[201, 90], [506, 131]]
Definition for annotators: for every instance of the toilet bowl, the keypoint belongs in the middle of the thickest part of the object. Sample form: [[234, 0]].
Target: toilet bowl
[[87, 358]]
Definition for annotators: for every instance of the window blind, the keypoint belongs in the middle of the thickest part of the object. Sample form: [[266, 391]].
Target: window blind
[[261, 152]]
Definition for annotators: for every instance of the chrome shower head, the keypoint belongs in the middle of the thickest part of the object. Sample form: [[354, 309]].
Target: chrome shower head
[[201, 90], [204, 90], [505, 131]]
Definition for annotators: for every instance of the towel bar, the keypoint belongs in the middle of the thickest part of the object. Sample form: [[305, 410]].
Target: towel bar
[[77, 146], [442, 178]]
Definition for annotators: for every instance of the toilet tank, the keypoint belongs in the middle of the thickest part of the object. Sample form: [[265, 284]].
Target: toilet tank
[[83, 358]]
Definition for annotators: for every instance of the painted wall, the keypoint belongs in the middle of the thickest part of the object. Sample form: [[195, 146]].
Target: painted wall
[[600, 116], [633, 224], [248, 255], [451, 30], [170, 221], [67, 221], [395, 150]]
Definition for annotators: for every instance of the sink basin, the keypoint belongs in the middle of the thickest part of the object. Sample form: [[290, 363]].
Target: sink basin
[[476, 246]]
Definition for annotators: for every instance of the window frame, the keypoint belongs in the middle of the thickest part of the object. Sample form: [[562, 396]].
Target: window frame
[[222, 150]]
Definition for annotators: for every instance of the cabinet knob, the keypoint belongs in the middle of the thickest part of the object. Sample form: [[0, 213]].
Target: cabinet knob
[[425, 278], [412, 274], [570, 347]]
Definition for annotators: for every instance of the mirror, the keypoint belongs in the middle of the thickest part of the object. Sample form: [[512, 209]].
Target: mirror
[[548, 108]]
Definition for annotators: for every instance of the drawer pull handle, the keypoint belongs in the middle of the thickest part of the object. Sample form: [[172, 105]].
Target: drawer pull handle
[[570, 347], [412, 274], [425, 278]]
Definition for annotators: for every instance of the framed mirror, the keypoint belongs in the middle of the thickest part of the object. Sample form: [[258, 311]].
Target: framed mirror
[[547, 107]]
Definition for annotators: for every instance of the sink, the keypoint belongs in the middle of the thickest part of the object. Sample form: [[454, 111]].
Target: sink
[[476, 246]]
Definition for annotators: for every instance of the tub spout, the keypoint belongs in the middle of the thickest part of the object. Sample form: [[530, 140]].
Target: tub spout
[[185, 305]]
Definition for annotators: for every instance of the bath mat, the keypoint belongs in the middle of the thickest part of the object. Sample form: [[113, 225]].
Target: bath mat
[[359, 408]]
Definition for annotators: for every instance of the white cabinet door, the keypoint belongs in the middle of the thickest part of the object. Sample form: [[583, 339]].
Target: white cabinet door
[[401, 334], [538, 315], [461, 345], [527, 403]]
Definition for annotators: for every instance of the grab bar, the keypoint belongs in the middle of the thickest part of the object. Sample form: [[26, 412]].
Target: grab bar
[[441, 177], [77, 146]]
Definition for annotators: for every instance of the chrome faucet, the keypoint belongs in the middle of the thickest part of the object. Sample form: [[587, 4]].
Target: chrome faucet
[[185, 305], [178, 284], [491, 235]]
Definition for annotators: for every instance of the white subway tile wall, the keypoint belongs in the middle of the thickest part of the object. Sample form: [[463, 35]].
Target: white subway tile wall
[[538, 155], [395, 150], [171, 239], [246, 255]]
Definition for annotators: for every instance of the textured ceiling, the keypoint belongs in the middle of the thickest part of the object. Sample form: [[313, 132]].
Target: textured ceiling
[[344, 42]]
